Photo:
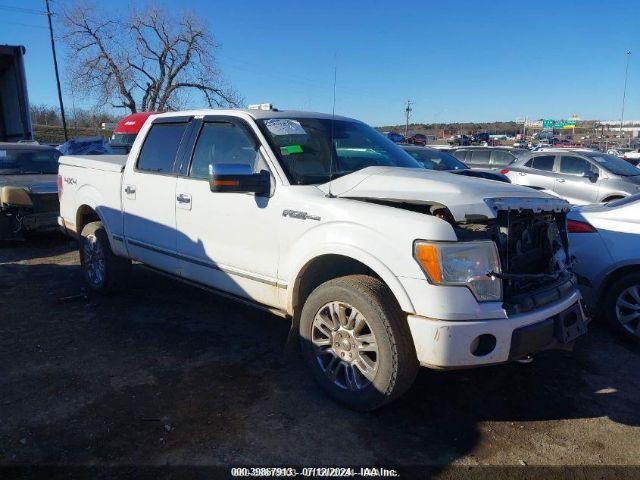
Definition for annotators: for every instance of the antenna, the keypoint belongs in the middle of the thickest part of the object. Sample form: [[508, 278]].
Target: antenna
[[333, 115]]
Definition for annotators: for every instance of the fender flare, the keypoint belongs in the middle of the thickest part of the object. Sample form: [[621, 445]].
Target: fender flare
[[359, 255]]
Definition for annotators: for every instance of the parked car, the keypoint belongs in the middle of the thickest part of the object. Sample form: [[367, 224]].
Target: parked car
[[417, 139], [28, 189], [521, 144], [581, 177], [460, 140], [395, 137], [496, 158], [604, 240], [482, 137], [381, 265], [127, 130], [433, 159]]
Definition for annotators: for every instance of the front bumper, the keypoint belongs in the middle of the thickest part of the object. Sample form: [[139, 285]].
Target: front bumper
[[459, 344]]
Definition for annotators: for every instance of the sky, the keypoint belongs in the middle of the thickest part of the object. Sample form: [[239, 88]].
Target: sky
[[457, 61]]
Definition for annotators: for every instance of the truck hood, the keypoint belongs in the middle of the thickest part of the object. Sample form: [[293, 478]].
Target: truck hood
[[463, 196], [37, 183]]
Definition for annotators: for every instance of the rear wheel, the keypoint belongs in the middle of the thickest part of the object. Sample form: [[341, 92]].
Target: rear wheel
[[357, 342], [622, 306], [103, 271]]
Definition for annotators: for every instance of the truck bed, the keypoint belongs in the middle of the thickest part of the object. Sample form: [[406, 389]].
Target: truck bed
[[107, 163]]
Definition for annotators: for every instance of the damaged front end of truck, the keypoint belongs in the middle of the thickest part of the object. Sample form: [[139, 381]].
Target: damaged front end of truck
[[25, 209]]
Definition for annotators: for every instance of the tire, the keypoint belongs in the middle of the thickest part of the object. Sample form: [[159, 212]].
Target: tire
[[339, 368], [103, 271], [627, 290]]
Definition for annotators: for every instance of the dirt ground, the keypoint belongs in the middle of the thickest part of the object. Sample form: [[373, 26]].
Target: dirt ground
[[166, 374]]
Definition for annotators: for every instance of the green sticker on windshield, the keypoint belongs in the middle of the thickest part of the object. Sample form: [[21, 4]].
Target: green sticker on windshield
[[289, 149]]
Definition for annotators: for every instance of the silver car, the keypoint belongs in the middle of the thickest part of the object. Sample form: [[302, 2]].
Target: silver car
[[581, 177], [603, 240]]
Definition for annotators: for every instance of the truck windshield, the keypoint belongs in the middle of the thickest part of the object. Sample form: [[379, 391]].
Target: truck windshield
[[23, 161], [307, 154]]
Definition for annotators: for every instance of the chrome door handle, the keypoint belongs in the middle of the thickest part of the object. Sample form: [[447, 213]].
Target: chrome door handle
[[522, 174], [561, 180], [182, 198], [130, 190]]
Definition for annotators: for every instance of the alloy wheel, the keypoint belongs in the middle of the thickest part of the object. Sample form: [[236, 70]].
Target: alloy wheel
[[628, 309], [345, 346]]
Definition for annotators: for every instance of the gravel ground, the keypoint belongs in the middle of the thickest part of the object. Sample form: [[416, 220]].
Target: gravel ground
[[169, 374]]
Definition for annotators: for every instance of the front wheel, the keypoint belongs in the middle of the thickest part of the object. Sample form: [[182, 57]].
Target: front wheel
[[622, 306], [357, 342], [103, 271]]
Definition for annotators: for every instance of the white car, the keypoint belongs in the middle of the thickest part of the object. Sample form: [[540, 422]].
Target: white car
[[605, 241], [381, 265]]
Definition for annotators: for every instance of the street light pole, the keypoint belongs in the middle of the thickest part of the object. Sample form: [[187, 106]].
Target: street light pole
[[55, 65], [624, 92]]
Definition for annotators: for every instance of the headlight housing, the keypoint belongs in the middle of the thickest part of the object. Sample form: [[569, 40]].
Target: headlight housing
[[462, 263]]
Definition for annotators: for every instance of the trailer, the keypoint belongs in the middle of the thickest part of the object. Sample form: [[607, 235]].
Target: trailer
[[15, 118]]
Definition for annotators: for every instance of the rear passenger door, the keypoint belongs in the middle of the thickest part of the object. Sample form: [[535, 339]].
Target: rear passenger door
[[576, 180], [537, 173], [148, 196]]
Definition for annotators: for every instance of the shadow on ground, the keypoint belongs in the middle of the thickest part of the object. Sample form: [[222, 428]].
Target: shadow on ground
[[167, 374]]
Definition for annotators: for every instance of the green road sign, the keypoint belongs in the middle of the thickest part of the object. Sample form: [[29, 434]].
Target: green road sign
[[558, 124]]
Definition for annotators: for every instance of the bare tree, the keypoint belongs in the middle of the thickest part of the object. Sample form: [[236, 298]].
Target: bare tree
[[146, 62]]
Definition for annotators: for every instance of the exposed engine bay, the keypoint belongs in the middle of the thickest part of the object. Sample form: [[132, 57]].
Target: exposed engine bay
[[534, 254], [22, 211], [533, 249]]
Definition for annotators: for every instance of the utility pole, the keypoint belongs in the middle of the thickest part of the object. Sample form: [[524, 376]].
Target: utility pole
[[55, 65], [624, 92], [408, 114]]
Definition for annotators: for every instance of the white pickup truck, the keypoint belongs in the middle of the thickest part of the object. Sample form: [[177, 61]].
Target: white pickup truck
[[382, 265]]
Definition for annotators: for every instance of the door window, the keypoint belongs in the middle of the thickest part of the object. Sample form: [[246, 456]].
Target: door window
[[160, 147], [460, 154], [576, 166], [480, 157], [543, 162], [223, 142], [502, 158]]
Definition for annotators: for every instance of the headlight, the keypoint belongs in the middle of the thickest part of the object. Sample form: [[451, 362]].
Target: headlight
[[462, 263]]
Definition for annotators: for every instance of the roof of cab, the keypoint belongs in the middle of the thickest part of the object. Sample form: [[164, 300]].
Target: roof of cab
[[256, 114]]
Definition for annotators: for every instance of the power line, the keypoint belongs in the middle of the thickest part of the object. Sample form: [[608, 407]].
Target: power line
[[23, 24], [31, 11]]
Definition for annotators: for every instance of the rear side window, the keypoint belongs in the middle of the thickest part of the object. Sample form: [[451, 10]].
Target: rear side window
[[502, 158], [460, 154], [543, 162], [160, 147], [480, 157], [576, 166]]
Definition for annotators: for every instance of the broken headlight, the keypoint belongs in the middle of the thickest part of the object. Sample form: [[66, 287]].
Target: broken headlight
[[467, 264]]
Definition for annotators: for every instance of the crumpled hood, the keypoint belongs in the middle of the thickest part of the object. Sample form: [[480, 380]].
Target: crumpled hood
[[462, 195], [44, 183]]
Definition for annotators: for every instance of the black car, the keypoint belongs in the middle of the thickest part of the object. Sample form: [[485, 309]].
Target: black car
[[28, 189], [433, 159], [481, 137]]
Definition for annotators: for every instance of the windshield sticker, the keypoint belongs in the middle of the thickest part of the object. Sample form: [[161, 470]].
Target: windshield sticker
[[289, 149], [284, 126]]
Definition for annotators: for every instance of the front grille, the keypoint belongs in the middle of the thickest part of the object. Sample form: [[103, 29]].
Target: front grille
[[45, 202]]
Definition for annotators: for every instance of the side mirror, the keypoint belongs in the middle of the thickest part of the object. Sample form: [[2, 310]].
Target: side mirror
[[233, 177]]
